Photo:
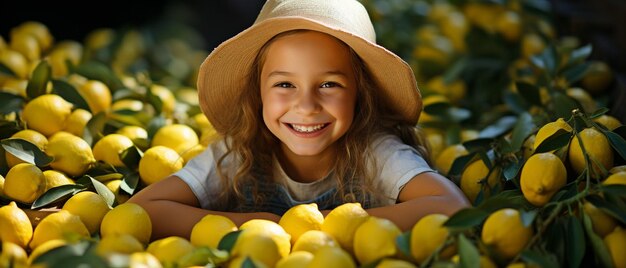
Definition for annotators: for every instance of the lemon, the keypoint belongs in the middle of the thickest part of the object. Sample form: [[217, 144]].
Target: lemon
[[331, 257], [616, 242], [192, 152], [72, 155], [15, 227], [532, 44], [2, 186], [542, 176], [509, 25], [444, 161], [12, 255], [313, 240], [209, 136], [27, 45], [375, 239], [608, 121], [137, 134], [90, 207], [301, 218], [99, 38], [109, 148], [549, 129], [24, 183], [598, 149], [435, 144], [59, 225], [37, 29], [484, 261], [455, 26], [63, 52], [454, 91], [295, 260], [113, 222], [176, 136], [170, 249], [127, 104], [259, 246], [616, 178], [15, 61], [341, 223], [394, 263], [505, 233], [602, 223], [121, 244], [15, 86], [473, 180], [31, 136], [274, 230], [55, 178], [168, 99], [120, 196], [585, 100], [76, 122], [143, 260], [46, 114], [427, 235], [598, 77], [210, 230], [97, 95], [157, 163], [469, 134], [528, 146], [45, 247], [201, 121]]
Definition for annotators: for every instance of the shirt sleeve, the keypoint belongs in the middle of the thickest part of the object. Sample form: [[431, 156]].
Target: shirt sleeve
[[200, 173], [397, 163]]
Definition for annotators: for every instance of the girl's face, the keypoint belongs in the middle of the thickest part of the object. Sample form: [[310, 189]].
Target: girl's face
[[308, 92]]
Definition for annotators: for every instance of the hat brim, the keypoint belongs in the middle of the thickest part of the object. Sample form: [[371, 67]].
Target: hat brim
[[223, 74]]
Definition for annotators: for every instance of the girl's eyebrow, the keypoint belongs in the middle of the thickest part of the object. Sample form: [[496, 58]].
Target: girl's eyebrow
[[285, 73]]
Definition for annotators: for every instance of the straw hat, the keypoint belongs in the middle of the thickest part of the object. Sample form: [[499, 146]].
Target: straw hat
[[223, 74]]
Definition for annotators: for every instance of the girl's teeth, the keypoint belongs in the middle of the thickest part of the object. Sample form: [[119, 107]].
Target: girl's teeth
[[307, 129]]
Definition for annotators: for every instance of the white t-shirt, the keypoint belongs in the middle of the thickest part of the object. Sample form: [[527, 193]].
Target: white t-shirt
[[397, 163]]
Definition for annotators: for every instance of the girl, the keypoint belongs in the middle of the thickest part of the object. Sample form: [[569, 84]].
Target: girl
[[311, 110]]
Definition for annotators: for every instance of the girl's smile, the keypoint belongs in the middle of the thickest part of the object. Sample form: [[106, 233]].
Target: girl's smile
[[308, 91]]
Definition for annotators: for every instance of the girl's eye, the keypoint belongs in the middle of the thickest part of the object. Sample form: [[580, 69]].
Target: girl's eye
[[284, 85], [329, 85]]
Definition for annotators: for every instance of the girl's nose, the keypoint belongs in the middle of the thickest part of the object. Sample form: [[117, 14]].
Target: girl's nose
[[307, 103]]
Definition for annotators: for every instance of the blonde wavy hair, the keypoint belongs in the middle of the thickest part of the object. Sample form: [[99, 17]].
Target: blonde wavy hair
[[252, 144]]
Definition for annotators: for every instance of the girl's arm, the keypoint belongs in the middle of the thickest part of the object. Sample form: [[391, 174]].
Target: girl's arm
[[174, 209], [424, 194]]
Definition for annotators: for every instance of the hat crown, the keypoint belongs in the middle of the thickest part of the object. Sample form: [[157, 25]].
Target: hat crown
[[345, 15]]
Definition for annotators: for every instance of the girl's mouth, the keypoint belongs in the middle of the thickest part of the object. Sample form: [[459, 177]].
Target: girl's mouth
[[305, 129]]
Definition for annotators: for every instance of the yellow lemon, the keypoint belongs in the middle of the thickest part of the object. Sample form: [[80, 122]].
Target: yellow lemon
[[341, 223], [258, 246], [435, 144], [549, 129], [532, 44], [72, 155], [598, 77], [444, 161], [331, 257], [274, 230], [170, 249], [586, 101], [616, 242], [63, 52], [99, 38], [210, 230], [201, 121], [505, 233], [109, 148], [375, 239], [127, 104], [55, 178], [76, 122], [13, 255], [187, 95], [43, 248], [313, 240], [15, 86], [143, 260], [192, 152], [97, 95], [209, 136], [137, 134], [509, 25], [301, 218], [473, 180], [120, 196], [112, 223], [295, 260], [24, 183], [27, 45], [608, 121], [15, 227], [31, 136], [37, 29], [484, 261], [454, 91], [394, 263], [46, 114], [15, 61], [121, 244], [90, 207], [427, 235], [528, 146], [59, 225], [168, 100], [176, 136], [2, 186], [616, 178], [598, 149], [157, 163], [602, 223], [542, 176]]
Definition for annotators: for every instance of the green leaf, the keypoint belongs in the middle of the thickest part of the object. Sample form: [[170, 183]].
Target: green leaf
[[201, 256], [515, 102], [556, 141], [131, 156], [103, 191], [94, 70], [616, 189], [608, 207], [458, 165], [57, 194], [228, 241], [468, 254], [529, 92], [26, 151], [10, 103], [154, 100], [68, 92], [575, 73], [512, 168], [599, 112], [528, 217], [581, 53], [154, 125], [453, 73], [38, 81], [130, 183], [248, 263], [599, 248], [480, 144], [575, 242], [522, 129], [500, 127], [466, 218], [95, 127], [564, 105], [6, 70], [542, 259], [403, 243], [437, 108], [504, 199], [617, 142]]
